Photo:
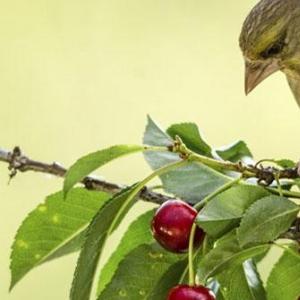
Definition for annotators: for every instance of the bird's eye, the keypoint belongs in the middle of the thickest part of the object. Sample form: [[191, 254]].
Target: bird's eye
[[273, 50]]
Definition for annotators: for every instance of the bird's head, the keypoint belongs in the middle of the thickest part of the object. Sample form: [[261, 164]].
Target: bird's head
[[270, 40]]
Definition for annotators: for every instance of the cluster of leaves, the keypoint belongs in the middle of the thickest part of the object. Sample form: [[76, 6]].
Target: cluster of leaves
[[241, 226]]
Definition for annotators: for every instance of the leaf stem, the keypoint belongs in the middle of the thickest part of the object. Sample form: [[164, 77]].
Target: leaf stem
[[220, 190], [156, 148], [140, 185], [198, 206], [264, 175], [279, 185], [135, 191], [291, 194]]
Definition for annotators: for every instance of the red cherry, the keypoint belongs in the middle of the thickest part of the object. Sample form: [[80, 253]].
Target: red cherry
[[172, 224], [185, 292]]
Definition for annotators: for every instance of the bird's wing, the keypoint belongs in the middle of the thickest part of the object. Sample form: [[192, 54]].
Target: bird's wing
[[295, 87]]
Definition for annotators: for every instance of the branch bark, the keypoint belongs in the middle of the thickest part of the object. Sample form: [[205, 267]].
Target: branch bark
[[18, 162]]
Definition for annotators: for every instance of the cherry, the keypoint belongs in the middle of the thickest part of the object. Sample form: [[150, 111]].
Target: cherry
[[186, 292], [172, 224]]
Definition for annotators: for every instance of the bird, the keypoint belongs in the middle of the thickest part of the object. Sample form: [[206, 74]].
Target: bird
[[270, 42]]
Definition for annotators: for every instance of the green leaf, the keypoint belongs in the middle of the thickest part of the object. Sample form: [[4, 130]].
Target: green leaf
[[106, 220], [266, 219], [220, 296], [226, 255], [242, 282], [191, 183], [155, 136], [234, 152], [190, 135], [53, 229], [296, 182], [97, 233], [168, 279], [285, 163], [284, 280], [254, 280], [224, 212], [137, 233], [139, 273], [89, 163]]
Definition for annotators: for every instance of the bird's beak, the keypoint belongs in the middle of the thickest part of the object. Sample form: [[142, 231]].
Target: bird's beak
[[256, 72]]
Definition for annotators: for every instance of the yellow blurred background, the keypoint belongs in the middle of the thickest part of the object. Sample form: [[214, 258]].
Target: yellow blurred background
[[76, 76]]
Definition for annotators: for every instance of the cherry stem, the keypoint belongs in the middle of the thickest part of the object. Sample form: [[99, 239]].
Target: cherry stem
[[198, 206], [186, 270], [191, 247]]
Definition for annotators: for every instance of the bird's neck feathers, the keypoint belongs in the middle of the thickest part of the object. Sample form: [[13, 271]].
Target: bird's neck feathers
[[294, 83]]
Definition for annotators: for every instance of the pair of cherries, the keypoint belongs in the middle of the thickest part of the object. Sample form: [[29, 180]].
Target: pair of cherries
[[171, 227]]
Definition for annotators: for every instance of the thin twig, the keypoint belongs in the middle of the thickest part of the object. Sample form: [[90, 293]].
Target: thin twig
[[17, 161], [265, 175]]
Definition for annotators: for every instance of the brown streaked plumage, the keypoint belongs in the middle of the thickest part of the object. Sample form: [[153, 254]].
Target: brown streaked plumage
[[270, 41]]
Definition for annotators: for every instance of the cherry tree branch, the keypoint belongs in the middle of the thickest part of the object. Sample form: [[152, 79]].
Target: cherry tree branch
[[264, 175], [18, 162]]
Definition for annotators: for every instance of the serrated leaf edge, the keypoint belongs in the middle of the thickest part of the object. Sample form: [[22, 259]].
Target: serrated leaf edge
[[251, 208]]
